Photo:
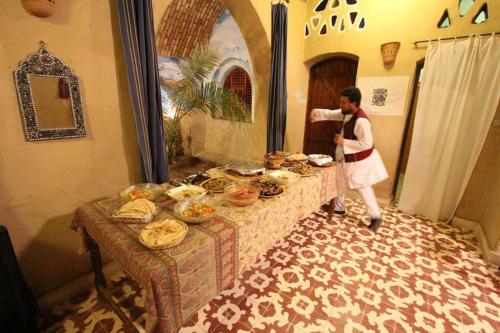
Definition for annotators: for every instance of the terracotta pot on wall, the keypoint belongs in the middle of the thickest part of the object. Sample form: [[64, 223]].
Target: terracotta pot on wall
[[40, 8], [389, 51]]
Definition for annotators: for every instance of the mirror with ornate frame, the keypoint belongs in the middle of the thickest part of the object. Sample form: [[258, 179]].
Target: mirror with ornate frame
[[49, 97]]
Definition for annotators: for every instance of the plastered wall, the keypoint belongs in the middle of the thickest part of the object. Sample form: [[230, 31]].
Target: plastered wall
[[403, 21], [42, 183]]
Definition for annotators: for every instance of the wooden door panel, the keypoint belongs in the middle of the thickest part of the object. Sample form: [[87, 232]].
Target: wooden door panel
[[326, 80]]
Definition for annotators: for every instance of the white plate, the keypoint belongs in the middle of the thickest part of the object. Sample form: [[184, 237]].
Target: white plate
[[186, 192], [320, 159]]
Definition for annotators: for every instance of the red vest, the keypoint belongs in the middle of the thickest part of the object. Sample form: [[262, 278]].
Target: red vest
[[349, 135]]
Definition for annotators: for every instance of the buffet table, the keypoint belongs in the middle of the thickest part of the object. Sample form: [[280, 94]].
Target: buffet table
[[180, 280]]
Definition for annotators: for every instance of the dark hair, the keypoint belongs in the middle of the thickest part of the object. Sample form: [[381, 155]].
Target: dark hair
[[353, 94]]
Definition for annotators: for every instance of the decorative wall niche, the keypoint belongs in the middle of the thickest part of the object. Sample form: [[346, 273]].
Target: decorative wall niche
[[482, 15], [464, 7], [444, 21], [321, 6], [334, 16]]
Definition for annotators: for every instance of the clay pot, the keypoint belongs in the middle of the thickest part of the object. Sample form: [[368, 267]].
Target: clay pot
[[40, 8], [389, 52]]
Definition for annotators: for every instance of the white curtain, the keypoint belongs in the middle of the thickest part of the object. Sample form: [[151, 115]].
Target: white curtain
[[458, 98]]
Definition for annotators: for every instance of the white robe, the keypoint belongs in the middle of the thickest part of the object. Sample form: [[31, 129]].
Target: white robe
[[362, 173]]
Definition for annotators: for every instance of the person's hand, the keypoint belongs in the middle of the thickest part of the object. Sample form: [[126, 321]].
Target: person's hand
[[339, 139], [313, 116]]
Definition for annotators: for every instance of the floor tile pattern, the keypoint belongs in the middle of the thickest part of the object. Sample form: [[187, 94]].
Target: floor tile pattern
[[413, 275]]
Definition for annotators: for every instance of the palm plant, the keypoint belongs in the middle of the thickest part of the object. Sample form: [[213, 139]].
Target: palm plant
[[192, 94]]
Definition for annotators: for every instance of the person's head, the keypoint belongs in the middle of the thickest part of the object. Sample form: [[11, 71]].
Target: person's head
[[350, 99]]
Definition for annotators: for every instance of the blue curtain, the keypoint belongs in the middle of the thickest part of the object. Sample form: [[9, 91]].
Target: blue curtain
[[276, 124], [138, 39]]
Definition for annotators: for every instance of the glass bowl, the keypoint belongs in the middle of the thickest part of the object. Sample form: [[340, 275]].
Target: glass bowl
[[242, 194], [148, 191], [194, 210], [272, 161]]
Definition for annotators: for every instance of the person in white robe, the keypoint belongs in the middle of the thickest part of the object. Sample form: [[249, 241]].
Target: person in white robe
[[359, 165]]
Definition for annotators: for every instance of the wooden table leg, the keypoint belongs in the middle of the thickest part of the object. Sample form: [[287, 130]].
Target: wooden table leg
[[95, 257], [100, 281]]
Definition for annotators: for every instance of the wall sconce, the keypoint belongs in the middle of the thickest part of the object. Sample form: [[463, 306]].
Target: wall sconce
[[389, 52], [40, 8]]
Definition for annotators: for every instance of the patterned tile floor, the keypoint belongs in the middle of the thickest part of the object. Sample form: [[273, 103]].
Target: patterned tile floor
[[333, 276]]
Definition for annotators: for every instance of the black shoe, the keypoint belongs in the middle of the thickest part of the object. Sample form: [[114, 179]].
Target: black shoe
[[374, 224], [332, 210]]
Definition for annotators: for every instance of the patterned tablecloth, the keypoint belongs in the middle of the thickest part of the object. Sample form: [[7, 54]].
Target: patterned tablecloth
[[180, 280]]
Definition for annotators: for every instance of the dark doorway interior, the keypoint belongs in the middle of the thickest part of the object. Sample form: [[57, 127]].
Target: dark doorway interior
[[408, 132]]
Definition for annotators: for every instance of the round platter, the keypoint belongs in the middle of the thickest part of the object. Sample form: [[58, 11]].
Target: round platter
[[271, 196], [174, 242], [215, 179], [315, 173]]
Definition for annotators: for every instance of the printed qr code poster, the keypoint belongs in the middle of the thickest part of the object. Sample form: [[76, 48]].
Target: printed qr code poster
[[383, 95]]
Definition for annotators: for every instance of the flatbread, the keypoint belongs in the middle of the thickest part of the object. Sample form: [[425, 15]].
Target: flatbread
[[163, 232], [136, 208]]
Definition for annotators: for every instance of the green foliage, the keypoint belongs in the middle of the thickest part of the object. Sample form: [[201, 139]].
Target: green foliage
[[192, 94]]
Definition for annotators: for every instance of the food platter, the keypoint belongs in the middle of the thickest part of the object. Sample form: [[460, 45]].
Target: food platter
[[282, 177], [147, 191], [242, 195], [237, 175], [216, 184], [194, 211], [305, 170], [163, 234], [291, 163], [246, 168], [138, 211], [186, 192], [268, 189], [297, 157]]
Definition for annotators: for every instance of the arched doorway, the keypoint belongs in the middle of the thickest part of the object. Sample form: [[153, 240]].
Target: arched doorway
[[204, 137], [326, 79]]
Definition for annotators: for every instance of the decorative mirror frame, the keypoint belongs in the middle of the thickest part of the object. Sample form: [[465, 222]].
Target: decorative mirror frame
[[45, 64]]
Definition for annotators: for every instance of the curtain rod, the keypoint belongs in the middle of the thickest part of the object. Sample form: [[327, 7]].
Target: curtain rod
[[448, 38]]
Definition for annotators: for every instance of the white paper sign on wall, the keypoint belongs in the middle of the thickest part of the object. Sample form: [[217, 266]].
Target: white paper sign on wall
[[383, 95]]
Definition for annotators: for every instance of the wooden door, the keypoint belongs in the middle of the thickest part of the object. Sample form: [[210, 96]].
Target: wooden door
[[326, 79]]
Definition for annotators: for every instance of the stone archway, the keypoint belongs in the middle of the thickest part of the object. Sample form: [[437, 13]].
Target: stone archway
[[257, 38]]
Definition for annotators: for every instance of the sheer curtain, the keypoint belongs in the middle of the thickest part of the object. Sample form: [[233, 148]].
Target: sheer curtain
[[456, 105]]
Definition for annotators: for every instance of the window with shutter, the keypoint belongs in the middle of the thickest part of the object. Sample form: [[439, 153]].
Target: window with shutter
[[239, 83]]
